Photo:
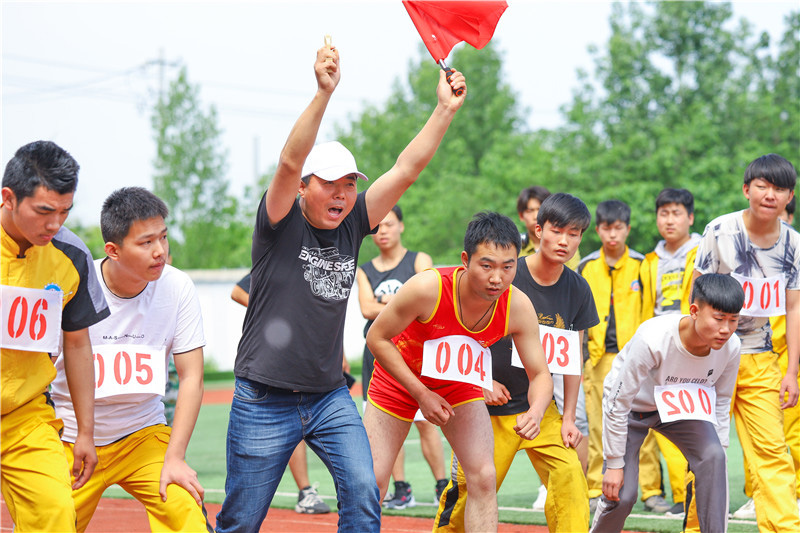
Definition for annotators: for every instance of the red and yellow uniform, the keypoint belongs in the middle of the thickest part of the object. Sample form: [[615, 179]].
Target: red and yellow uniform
[[389, 396]]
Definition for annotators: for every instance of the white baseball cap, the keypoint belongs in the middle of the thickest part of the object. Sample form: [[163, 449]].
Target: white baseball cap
[[330, 161]]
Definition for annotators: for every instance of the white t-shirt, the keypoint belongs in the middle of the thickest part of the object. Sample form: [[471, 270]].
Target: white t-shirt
[[726, 247], [656, 356], [166, 313]]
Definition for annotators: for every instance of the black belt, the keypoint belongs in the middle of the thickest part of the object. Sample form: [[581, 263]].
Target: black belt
[[642, 415]]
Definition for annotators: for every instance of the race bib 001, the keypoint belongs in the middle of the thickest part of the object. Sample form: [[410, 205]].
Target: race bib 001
[[686, 401], [129, 369], [763, 297], [457, 358], [561, 351], [31, 319]]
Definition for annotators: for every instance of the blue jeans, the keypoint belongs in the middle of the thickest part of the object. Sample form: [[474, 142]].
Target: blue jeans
[[265, 426]]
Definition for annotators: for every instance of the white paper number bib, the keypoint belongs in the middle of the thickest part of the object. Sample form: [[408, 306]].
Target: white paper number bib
[[129, 369], [561, 351], [763, 297], [31, 319], [457, 358], [686, 401]]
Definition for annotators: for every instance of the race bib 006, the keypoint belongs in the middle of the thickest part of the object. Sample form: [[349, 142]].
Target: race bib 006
[[31, 319]]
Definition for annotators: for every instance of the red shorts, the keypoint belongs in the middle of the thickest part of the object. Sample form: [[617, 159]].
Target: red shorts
[[391, 397]]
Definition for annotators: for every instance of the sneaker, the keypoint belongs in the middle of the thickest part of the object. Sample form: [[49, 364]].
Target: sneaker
[[676, 510], [593, 503], [538, 505], [402, 497], [657, 504], [309, 502], [441, 484], [748, 510]]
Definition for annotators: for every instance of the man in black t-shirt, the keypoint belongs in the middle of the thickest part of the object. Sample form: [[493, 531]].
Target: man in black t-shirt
[[289, 382]]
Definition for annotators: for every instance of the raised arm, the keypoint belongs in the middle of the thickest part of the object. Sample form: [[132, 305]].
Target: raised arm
[[524, 327], [416, 299], [286, 182], [387, 190]]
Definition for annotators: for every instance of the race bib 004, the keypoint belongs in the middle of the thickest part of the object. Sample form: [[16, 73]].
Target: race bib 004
[[457, 358], [31, 319], [129, 369]]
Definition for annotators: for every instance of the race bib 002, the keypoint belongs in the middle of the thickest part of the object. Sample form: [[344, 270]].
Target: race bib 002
[[686, 401], [129, 369], [561, 351], [457, 358], [31, 319]]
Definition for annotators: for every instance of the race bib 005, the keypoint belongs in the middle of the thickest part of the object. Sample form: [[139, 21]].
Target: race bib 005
[[129, 369]]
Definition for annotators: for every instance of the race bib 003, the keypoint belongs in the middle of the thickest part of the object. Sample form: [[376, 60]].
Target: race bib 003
[[457, 358], [561, 351]]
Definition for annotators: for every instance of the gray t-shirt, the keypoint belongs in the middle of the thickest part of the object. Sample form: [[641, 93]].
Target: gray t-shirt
[[293, 330]]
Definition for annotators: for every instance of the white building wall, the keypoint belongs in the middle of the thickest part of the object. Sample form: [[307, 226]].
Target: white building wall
[[222, 317]]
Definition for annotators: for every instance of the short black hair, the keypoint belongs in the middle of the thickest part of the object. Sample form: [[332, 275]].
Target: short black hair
[[773, 168], [41, 163], [720, 291], [492, 228], [610, 211], [399, 212], [564, 210], [675, 196], [537, 191], [125, 206]]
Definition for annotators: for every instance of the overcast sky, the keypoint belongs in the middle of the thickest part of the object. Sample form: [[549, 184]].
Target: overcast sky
[[86, 75]]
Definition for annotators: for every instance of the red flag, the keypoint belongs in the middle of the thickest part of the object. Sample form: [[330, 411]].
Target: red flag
[[442, 24]]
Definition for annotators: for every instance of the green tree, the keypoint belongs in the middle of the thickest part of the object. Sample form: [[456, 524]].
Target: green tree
[[190, 166], [678, 100]]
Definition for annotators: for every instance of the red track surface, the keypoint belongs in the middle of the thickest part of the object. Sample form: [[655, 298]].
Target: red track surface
[[128, 516]]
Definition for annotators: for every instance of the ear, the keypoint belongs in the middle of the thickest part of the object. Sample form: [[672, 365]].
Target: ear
[[464, 258], [112, 250], [691, 218], [693, 308], [9, 198], [746, 190], [537, 230], [302, 189], [402, 227]]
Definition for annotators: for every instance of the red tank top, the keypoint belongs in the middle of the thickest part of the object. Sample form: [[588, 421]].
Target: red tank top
[[444, 321]]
